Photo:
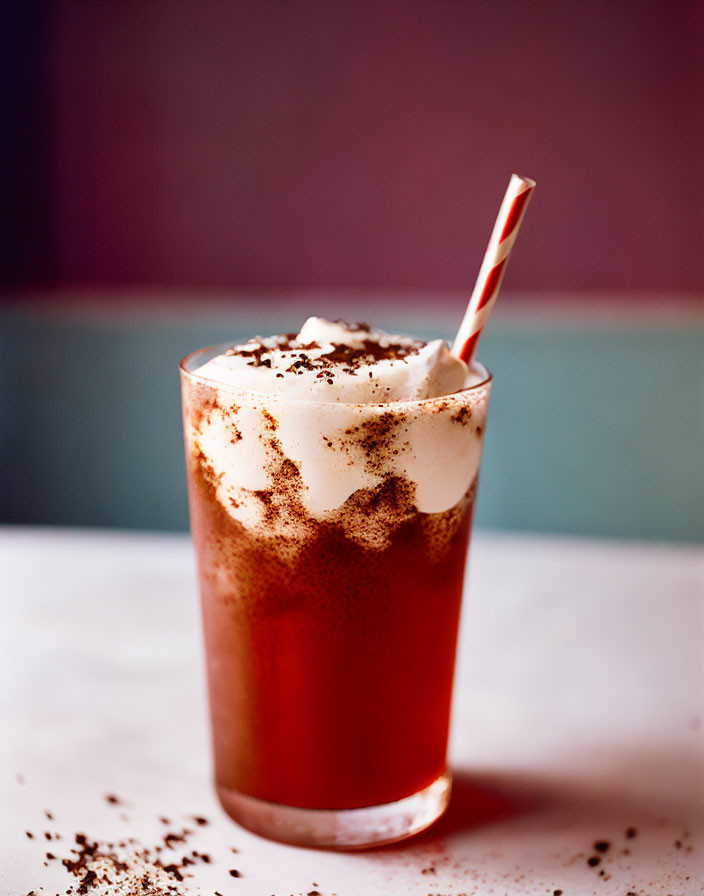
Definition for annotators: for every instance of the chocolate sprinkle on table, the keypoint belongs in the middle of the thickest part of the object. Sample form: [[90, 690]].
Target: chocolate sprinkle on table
[[601, 845]]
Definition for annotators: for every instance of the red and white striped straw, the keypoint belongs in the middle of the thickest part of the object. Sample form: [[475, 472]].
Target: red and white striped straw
[[493, 266]]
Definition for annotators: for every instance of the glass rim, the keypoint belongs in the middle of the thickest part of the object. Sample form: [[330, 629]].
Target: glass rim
[[220, 347]]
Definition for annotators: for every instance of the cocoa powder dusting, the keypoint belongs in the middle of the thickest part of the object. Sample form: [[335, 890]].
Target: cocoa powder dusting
[[462, 416], [129, 867], [272, 424], [374, 438], [207, 470], [370, 351], [260, 353]]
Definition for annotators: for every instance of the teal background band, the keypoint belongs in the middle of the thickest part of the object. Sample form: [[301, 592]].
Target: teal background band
[[596, 423]]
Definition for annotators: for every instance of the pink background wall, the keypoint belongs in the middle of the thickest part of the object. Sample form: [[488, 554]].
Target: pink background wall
[[368, 143]]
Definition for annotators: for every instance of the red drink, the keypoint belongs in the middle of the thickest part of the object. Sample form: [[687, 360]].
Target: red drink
[[330, 635]]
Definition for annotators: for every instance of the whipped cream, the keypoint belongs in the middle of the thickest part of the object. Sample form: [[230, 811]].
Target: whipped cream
[[349, 409], [334, 361]]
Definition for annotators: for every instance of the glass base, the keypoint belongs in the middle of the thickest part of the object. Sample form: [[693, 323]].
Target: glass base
[[340, 828]]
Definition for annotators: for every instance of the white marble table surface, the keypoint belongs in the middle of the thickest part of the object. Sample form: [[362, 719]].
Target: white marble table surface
[[579, 712]]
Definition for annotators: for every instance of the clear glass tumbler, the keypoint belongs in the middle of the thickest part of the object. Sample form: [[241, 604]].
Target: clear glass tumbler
[[330, 632]]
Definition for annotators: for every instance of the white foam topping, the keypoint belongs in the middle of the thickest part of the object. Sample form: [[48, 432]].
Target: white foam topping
[[425, 371], [363, 419]]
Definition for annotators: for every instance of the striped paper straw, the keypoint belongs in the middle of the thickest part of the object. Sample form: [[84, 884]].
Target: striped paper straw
[[493, 266]]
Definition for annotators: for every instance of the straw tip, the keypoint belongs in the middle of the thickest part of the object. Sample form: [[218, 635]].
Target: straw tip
[[527, 181]]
